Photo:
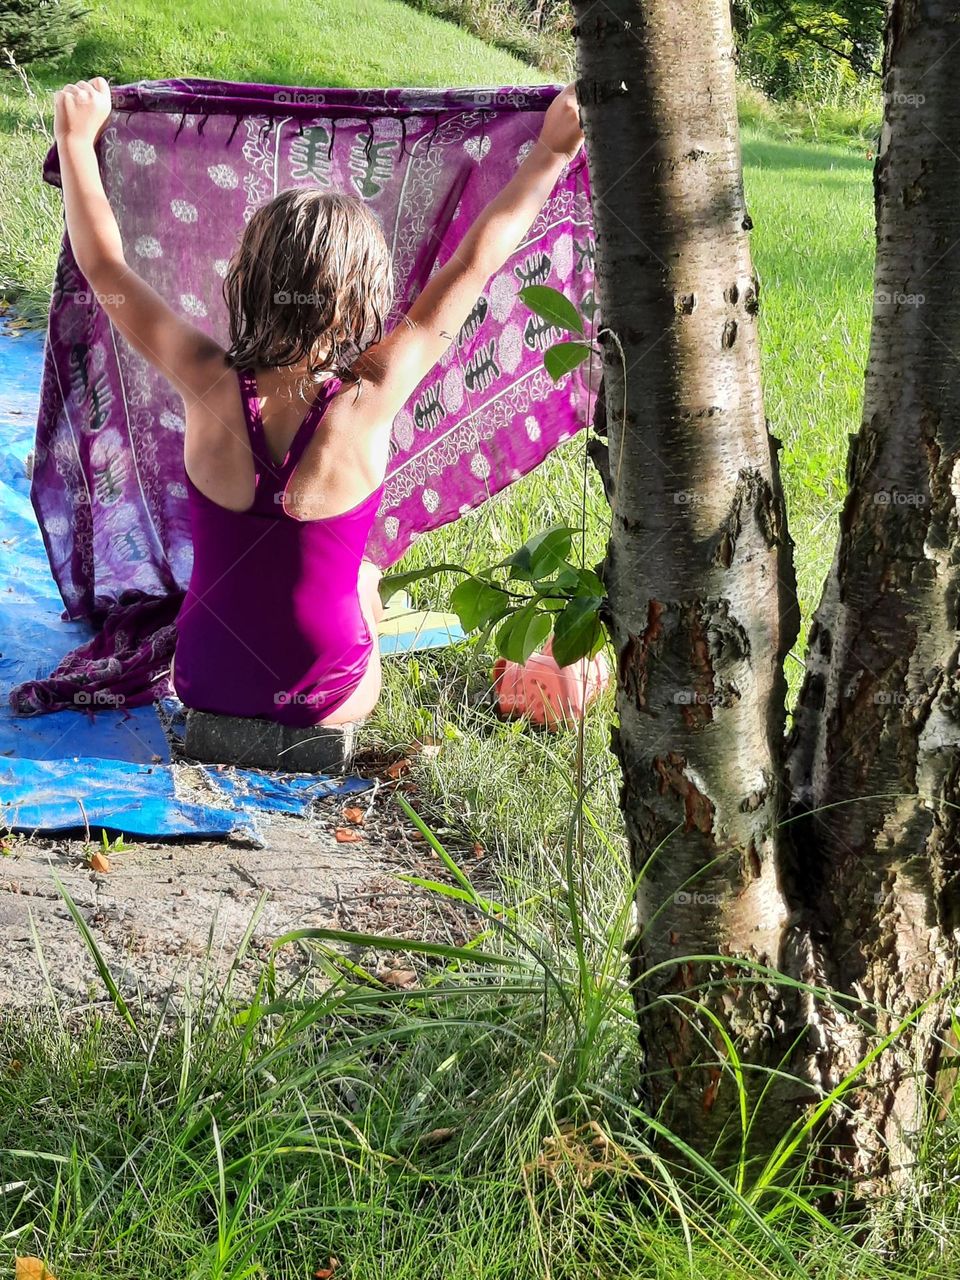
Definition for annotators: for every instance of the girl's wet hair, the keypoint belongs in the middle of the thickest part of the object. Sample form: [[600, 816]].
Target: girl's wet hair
[[312, 279]]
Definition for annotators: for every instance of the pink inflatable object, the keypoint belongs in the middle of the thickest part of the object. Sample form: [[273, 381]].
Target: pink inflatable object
[[545, 693]]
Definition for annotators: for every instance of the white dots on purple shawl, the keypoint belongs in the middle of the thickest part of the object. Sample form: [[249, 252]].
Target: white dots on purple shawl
[[524, 151], [57, 526], [141, 152], [477, 147], [176, 489], [224, 175], [503, 295], [510, 347], [403, 429], [391, 527], [480, 466], [532, 427], [221, 266], [172, 421], [148, 247], [430, 499], [192, 304], [183, 210], [453, 389], [563, 255]]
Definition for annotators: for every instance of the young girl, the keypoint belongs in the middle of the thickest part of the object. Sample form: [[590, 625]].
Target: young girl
[[279, 619]]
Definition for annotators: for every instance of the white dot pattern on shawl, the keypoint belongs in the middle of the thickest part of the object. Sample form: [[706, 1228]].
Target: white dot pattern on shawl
[[403, 429], [172, 421], [452, 389], [148, 247], [503, 295], [563, 256], [224, 175], [391, 526], [192, 304], [221, 266], [477, 147], [183, 210], [58, 526], [141, 152], [533, 427], [510, 347], [176, 489], [431, 499], [479, 466]]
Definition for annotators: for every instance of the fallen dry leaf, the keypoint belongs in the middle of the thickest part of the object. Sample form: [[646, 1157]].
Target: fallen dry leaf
[[398, 768], [356, 816], [14, 1066], [326, 1272], [435, 1137], [99, 862], [345, 835], [478, 849], [398, 977], [33, 1269]]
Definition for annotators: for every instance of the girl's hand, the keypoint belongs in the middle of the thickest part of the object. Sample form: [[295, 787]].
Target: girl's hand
[[561, 131], [81, 110]]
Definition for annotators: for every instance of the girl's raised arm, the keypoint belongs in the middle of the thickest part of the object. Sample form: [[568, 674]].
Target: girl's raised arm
[[399, 362], [189, 360]]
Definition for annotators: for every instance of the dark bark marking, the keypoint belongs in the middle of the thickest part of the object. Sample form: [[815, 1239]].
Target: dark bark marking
[[698, 809], [635, 654], [729, 335], [752, 491]]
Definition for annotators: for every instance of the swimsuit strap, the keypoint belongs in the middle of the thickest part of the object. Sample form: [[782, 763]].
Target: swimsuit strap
[[325, 393], [255, 430], [254, 423]]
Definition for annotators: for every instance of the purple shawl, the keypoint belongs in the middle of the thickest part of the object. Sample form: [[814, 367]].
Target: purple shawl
[[185, 163]]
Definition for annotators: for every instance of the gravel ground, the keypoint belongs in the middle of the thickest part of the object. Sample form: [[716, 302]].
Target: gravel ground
[[168, 914]]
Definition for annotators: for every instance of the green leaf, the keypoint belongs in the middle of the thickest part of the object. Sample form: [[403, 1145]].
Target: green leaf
[[551, 304], [542, 555], [476, 603], [564, 356], [577, 630], [522, 633], [391, 583], [589, 584]]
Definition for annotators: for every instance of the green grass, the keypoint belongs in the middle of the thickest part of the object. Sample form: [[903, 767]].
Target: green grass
[[467, 1129], [202, 1147]]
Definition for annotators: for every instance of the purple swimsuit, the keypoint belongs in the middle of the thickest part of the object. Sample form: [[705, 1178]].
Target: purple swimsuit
[[271, 624]]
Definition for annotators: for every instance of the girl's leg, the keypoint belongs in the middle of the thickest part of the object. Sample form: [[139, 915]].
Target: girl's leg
[[364, 698]]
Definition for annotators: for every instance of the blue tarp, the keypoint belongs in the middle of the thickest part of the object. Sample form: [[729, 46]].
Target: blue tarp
[[106, 769]]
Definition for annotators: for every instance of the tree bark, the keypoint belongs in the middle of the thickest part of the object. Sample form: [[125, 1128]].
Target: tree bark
[[702, 600], [874, 753]]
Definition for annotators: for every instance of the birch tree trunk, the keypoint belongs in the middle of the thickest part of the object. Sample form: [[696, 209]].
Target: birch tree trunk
[[877, 730], [702, 602]]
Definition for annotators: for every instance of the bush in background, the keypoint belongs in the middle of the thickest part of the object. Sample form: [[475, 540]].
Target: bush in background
[[31, 30]]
